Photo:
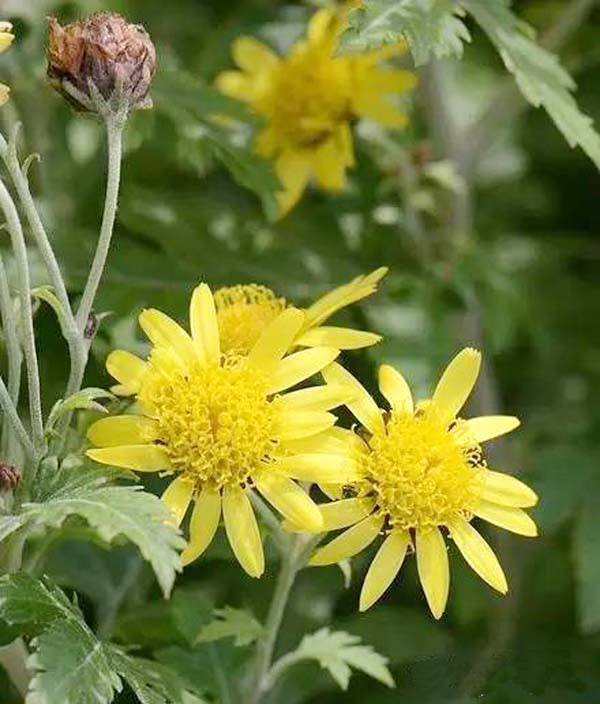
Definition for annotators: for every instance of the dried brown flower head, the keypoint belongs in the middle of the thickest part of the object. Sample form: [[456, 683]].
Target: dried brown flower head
[[101, 55], [9, 476]]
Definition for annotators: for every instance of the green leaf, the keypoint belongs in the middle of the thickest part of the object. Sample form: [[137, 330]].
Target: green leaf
[[33, 603], [433, 28], [587, 567], [46, 294], [231, 623], [538, 73], [82, 400], [339, 652]]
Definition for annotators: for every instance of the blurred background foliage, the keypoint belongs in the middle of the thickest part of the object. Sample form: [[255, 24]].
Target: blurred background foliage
[[522, 283]]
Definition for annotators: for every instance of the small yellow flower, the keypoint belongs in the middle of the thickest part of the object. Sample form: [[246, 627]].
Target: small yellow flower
[[422, 469], [244, 311], [223, 425], [309, 98], [6, 39]]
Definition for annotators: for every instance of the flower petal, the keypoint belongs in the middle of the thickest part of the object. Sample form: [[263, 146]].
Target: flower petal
[[203, 323], [487, 427], [383, 569], [203, 524], [294, 425], [506, 490], [127, 369], [363, 407], [177, 496], [141, 458], [276, 339], [457, 382], [349, 543], [345, 512], [433, 568], [242, 531], [300, 366], [252, 55], [330, 165], [340, 338], [291, 501], [478, 554], [320, 468], [163, 331], [395, 389], [237, 85], [316, 398], [122, 430], [293, 170], [513, 519]]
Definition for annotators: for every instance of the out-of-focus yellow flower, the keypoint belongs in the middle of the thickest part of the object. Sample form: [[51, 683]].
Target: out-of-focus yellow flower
[[422, 469], [309, 98], [244, 311], [6, 39], [223, 424]]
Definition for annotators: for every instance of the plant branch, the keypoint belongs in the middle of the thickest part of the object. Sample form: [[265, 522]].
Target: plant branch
[[13, 349]]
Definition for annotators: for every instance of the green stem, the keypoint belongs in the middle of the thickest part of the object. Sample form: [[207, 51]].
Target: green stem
[[10, 413], [31, 362]]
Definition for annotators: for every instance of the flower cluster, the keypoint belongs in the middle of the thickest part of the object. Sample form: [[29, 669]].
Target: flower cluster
[[6, 39], [218, 409], [309, 99]]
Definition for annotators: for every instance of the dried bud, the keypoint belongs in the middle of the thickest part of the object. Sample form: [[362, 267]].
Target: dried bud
[[102, 55], [91, 326], [9, 476]]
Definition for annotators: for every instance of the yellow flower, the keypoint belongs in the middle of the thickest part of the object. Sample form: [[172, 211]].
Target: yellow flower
[[309, 98], [244, 311], [222, 424], [6, 39], [422, 469]]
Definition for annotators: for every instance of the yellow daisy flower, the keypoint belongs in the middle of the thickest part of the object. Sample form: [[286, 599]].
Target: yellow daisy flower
[[223, 424], [244, 311], [309, 99], [6, 39], [422, 469]]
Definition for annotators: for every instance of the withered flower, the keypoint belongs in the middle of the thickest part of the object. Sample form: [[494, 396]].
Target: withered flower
[[101, 55], [10, 476]]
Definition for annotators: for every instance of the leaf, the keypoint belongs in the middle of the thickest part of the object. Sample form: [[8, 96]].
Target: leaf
[[586, 548], [46, 294], [230, 622], [433, 28], [82, 400], [339, 652], [33, 603], [538, 73]]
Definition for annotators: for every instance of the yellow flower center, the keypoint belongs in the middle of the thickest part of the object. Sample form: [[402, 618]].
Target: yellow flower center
[[309, 99], [420, 472], [216, 423], [243, 313]]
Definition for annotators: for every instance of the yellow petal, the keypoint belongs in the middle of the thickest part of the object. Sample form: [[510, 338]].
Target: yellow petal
[[433, 568], [293, 169], [127, 369], [513, 519], [395, 389], [6, 37], [294, 425], [291, 501], [316, 398], [329, 165], [320, 468], [237, 85], [276, 339], [323, 25], [363, 407], [122, 430], [163, 331], [252, 55], [478, 554], [457, 382], [385, 566], [345, 512], [340, 338], [203, 323], [203, 524], [242, 531], [503, 489], [300, 366], [374, 106], [488, 427], [349, 543], [327, 441], [4, 94], [142, 458], [177, 496]]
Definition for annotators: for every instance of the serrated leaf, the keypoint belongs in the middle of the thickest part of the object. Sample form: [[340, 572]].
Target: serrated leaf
[[433, 28], [85, 399], [31, 602], [538, 72], [231, 623], [339, 652]]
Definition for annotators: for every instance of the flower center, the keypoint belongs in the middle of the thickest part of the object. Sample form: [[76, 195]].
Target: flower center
[[243, 313], [420, 472], [310, 97], [216, 423]]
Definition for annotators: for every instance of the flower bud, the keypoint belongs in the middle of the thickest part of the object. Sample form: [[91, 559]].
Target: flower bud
[[9, 476], [101, 56]]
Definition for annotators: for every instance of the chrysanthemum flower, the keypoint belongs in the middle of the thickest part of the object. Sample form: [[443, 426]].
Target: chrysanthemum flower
[[423, 476], [244, 311], [222, 424], [309, 98], [6, 39]]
